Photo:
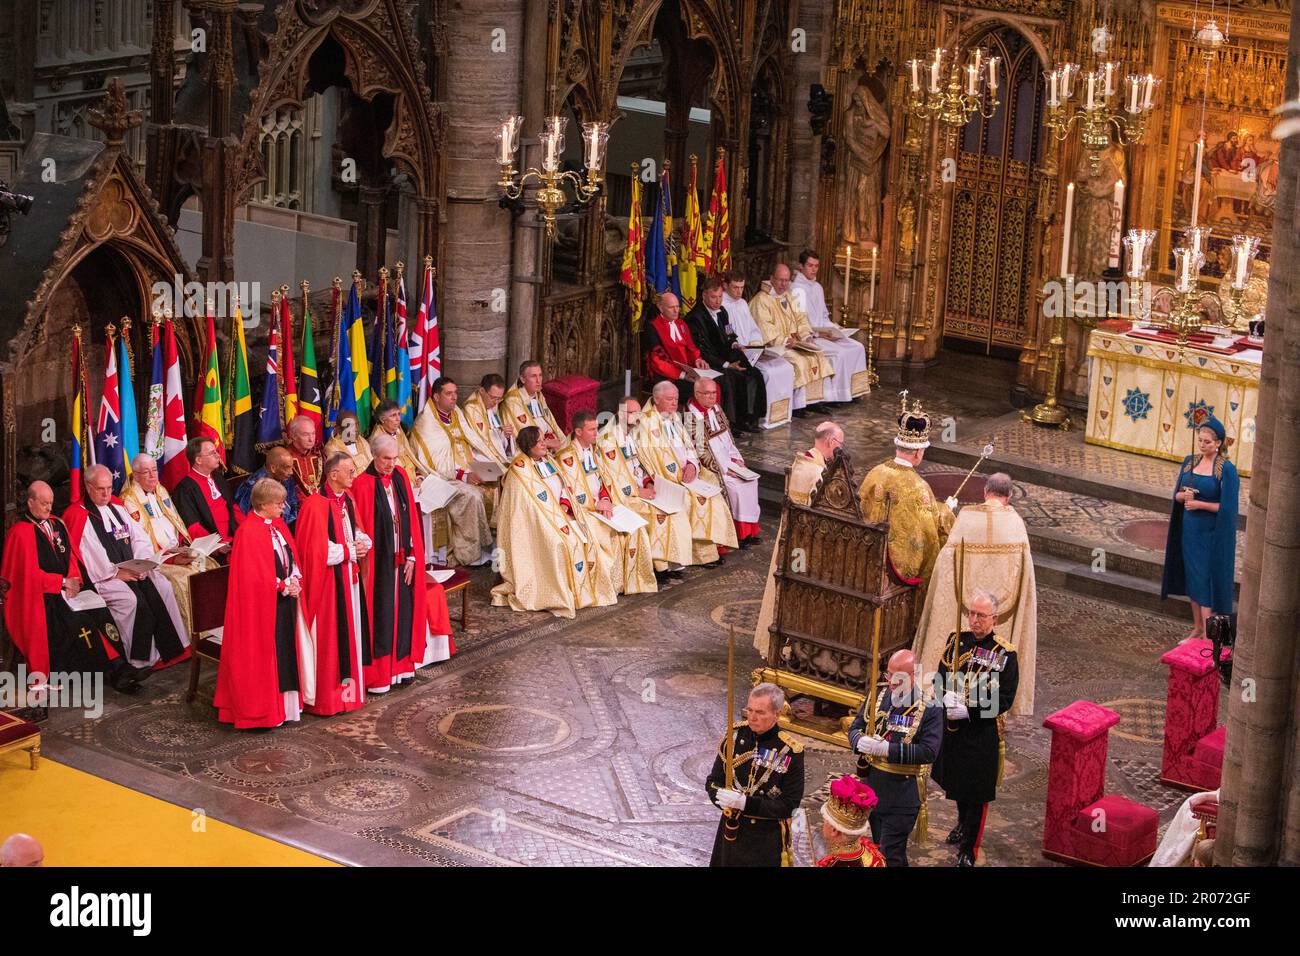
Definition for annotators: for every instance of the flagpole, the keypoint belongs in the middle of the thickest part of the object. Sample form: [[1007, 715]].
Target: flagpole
[[227, 408], [336, 393]]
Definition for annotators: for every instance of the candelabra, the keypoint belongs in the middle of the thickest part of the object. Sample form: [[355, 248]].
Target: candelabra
[[963, 94], [1049, 411], [550, 178], [1138, 243], [872, 378], [1189, 301], [1093, 110]]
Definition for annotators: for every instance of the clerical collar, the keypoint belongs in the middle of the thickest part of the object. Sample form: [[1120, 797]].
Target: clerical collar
[[444, 417], [902, 461], [213, 491], [713, 313], [544, 467], [674, 329], [333, 495]]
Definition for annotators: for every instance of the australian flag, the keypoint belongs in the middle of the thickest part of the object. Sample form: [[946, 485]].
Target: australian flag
[[109, 444]]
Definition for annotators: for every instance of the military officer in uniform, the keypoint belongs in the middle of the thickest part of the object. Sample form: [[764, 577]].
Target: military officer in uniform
[[970, 760], [906, 737], [767, 786]]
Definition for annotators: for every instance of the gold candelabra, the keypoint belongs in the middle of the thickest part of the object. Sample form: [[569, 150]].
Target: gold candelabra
[[551, 179], [962, 95], [1084, 97], [872, 378]]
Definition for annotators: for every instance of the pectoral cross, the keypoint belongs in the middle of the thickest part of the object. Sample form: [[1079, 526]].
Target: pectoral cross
[[85, 636]]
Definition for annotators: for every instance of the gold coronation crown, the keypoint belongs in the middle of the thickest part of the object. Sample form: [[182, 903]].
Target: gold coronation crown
[[913, 424]]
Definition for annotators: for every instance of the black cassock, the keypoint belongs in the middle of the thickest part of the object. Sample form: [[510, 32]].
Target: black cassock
[[286, 626], [744, 394], [195, 506], [153, 623], [774, 761], [386, 570], [967, 766]]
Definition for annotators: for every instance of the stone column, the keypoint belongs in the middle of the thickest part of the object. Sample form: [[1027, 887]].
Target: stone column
[[1260, 796], [217, 261], [371, 230], [815, 19], [483, 85]]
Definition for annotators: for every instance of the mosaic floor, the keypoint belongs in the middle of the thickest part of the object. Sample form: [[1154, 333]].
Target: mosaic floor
[[586, 742], [583, 742]]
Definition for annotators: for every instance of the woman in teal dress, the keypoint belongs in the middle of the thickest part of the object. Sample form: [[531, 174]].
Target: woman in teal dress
[[1201, 551]]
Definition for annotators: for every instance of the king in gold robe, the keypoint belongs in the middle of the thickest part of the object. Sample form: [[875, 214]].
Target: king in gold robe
[[631, 482], [549, 559], [666, 448], [628, 555], [918, 524], [987, 550], [805, 472], [778, 316]]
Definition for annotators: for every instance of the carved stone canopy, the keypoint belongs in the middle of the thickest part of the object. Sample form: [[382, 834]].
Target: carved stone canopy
[[112, 117]]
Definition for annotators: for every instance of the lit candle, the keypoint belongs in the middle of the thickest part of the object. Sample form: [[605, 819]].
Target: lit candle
[[993, 73], [1242, 260], [1184, 257], [916, 74], [872, 303], [1196, 173], [1067, 80], [1092, 84], [1113, 259], [934, 76], [1053, 99], [1109, 87], [848, 270], [1151, 89], [1065, 241], [972, 79], [1133, 84]]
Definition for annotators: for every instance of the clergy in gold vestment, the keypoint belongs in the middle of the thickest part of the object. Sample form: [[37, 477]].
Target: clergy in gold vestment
[[549, 559], [487, 416], [444, 445], [805, 472], [526, 405], [628, 555], [632, 485], [918, 524], [147, 502], [666, 447], [348, 440], [389, 418], [783, 325], [987, 550]]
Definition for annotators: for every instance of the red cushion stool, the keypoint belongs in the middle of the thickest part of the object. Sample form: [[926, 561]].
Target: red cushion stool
[[1115, 831], [19, 734], [1207, 759], [568, 395]]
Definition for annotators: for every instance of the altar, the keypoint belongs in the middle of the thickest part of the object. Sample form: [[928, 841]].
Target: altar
[[1142, 392]]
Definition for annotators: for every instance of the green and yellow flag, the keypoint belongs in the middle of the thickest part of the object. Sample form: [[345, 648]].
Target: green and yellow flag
[[208, 417], [241, 424]]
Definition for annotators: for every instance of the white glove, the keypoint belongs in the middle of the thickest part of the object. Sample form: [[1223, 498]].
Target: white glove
[[732, 799], [873, 747], [952, 503], [334, 555], [954, 706]]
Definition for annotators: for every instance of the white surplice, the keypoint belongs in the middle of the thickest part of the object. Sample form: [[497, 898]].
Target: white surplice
[[778, 374], [848, 356], [742, 495]]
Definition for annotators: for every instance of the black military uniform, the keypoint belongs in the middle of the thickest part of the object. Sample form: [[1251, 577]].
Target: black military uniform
[[914, 732], [744, 395], [970, 762], [769, 769]]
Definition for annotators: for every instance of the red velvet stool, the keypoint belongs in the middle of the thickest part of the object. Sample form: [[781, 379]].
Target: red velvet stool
[[1123, 833], [1207, 759], [570, 394], [1191, 712]]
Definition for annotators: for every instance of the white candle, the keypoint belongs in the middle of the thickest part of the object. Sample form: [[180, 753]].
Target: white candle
[[916, 77], [934, 77], [872, 303], [972, 79], [993, 73], [848, 270], [1132, 94], [1092, 84], [1053, 99], [1117, 231], [1151, 89], [627, 381], [1196, 188], [1065, 239], [1184, 273], [1109, 87], [1242, 260]]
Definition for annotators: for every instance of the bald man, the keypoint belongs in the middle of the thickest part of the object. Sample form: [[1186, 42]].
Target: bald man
[[21, 850], [280, 465], [784, 327], [673, 356], [894, 751]]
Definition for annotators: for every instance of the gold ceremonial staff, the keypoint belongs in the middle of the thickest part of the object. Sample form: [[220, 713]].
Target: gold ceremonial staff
[[988, 450], [732, 826]]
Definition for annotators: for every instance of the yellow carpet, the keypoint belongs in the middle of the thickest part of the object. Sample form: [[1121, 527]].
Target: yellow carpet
[[82, 820]]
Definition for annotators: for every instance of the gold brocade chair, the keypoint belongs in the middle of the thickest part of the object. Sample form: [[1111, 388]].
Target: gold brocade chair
[[208, 612], [19, 734]]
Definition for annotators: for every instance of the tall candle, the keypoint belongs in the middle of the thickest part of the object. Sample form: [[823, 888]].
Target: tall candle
[[1109, 88], [916, 78], [1151, 89], [1117, 231], [848, 270], [1242, 261], [1133, 84], [934, 76], [972, 79], [1053, 99], [872, 303], [1065, 241], [1196, 188], [1092, 85]]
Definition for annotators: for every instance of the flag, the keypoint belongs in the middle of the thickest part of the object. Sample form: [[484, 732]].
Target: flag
[[286, 360], [108, 425], [717, 228], [175, 465], [126, 392], [403, 346], [362, 398], [691, 255], [388, 343], [207, 400], [341, 396], [79, 458], [270, 428], [154, 419], [309, 384], [426, 354], [633, 275], [375, 351], [660, 255], [243, 456]]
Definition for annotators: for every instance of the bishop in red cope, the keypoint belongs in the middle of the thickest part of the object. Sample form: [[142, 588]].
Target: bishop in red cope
[[202, 499], [44, 573], [671, 344], [331, 543], [409, 626], [264, 679]]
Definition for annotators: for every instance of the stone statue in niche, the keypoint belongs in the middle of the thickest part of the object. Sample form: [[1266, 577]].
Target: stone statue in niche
[[866, 135], [1096, 215]]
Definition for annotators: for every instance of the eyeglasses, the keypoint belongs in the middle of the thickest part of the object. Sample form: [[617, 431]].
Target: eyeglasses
[[975, 614]]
